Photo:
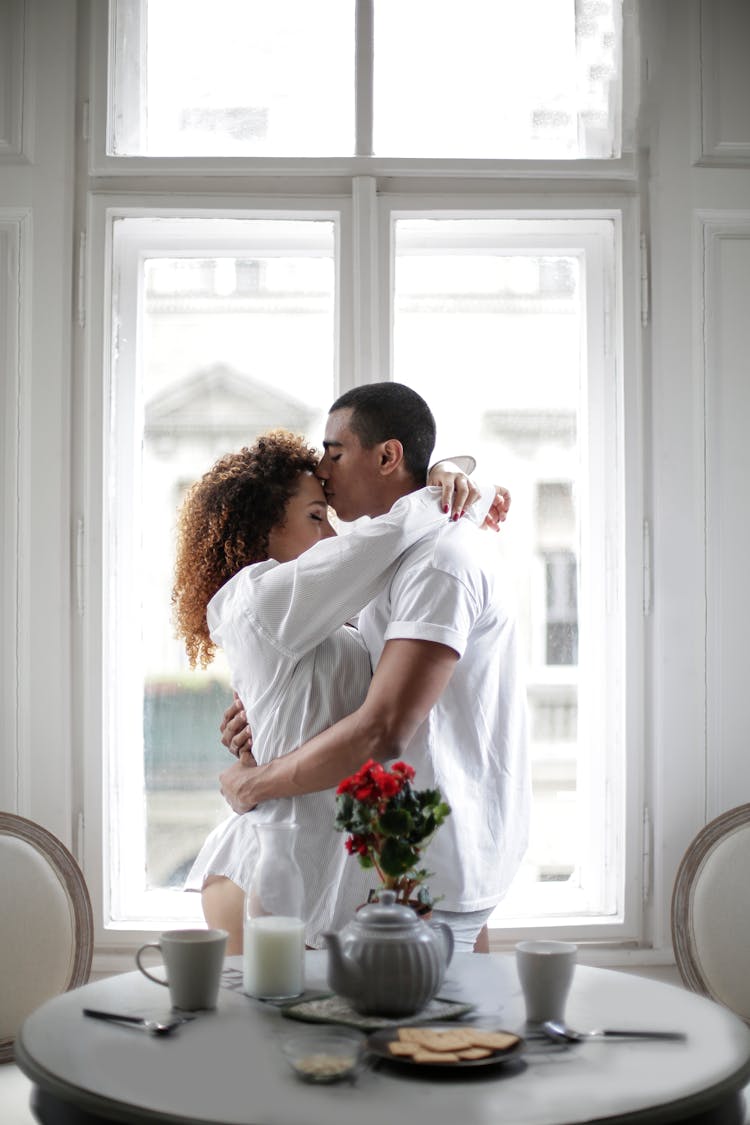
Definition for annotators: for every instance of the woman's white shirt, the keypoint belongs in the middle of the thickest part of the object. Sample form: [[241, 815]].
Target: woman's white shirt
[[298, 668]]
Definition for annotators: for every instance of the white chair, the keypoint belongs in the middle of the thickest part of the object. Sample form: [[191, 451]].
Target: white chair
[[711, 912], [46, 923]]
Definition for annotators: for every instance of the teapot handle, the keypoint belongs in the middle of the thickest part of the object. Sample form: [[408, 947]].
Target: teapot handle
[[447, 935]]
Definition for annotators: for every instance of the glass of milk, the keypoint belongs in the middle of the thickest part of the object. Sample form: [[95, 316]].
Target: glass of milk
[[274, 934]]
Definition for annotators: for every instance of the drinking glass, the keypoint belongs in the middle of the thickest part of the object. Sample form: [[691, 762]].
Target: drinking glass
[[274, 932]]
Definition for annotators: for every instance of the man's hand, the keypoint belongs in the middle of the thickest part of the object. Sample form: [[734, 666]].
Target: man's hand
[[235, 783], [235, 733], [498, 512]]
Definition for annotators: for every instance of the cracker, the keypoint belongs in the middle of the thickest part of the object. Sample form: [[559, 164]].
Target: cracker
[[451, 1040], [397, 1047], [424, 1056], [448, 1045], [495, 1040], [475, 1053]]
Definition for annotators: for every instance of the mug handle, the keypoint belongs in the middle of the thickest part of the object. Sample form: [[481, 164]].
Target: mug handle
[[146, 973]]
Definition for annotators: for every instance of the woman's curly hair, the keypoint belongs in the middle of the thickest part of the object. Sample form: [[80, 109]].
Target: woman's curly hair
[[224, 524]]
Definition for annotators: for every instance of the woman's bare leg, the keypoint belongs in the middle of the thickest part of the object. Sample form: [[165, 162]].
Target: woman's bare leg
[[482, 944], [224, 909]]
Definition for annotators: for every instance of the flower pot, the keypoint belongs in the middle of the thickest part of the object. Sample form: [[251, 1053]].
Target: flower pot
[[422, 909]]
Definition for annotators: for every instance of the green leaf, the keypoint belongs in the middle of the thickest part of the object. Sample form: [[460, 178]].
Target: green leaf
[[396, 822], [344, 809], [397, 856]]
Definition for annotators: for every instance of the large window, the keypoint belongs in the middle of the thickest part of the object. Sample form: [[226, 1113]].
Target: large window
[[241, 280], [227, 327]]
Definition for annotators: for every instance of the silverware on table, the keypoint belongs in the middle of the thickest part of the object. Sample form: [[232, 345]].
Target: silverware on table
[[155, 1027], [561, 1033]]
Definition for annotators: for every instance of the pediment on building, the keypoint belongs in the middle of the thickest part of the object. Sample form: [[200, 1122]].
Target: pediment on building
[[223, 400]]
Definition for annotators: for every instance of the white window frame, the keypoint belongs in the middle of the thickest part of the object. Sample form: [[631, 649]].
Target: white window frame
[[103, 711], [366, 192], [372, 338], [621, 553], [622, 168]]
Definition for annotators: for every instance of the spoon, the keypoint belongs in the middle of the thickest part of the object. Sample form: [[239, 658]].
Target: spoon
[[561, 1033], [156, 1027]]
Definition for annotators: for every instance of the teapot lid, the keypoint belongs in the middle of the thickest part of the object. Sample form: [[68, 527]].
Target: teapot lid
[[387, 912]]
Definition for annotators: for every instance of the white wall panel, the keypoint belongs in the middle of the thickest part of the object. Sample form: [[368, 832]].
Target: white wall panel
[[12, 75], [724, 82], [37, 80], [726, 358], [10, 391]]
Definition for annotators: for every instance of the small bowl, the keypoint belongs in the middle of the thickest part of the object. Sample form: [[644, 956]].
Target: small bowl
[[323, 1056]]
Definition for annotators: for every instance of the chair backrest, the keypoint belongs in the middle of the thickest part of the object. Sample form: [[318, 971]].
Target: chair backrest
[[711, 912], [46, 923]]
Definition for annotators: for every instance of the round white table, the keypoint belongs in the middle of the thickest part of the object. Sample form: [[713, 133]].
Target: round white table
[[226, 1067]]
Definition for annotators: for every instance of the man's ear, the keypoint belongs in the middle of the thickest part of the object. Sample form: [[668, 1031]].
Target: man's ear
[[391, 456]]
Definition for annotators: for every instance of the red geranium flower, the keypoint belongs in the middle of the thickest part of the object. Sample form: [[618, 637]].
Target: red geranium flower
[[390, 824]]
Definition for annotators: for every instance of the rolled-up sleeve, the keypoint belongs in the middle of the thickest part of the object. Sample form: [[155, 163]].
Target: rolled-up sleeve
[[430, 604]]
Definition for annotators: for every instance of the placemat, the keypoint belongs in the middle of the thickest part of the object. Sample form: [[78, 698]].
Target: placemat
[[335, 1009], [232, 979]]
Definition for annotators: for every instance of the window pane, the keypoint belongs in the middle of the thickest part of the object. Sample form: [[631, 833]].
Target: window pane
[[497, 78], [217, 348], [233, 78], [476, 79], [495, 339]]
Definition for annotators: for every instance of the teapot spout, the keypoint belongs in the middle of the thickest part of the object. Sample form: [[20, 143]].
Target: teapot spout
[[344, 974]]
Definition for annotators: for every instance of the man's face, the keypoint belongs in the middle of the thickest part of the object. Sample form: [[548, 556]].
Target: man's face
[[349, 472]]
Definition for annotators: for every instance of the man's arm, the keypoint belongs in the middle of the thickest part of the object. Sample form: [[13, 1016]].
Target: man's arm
[[235, 732], [410, 677]]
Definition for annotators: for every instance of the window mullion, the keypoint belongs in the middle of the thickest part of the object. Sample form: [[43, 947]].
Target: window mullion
[[365, 302], [363, 77]]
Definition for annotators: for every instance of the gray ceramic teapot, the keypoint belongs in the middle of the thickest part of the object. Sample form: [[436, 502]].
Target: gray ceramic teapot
[[387, 961]]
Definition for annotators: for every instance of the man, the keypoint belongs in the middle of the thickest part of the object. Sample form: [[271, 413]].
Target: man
[[445, 693]]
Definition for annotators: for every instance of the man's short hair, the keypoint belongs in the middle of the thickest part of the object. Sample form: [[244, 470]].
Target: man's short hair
[[391, 410]]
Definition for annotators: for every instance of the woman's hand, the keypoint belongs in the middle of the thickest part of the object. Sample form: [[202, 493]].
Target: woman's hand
[[498, 512], [459, 491], [235, 732]]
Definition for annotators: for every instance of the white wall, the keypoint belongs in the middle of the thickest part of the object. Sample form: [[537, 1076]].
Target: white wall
[[38, 50], [696, 124], [695, 169]]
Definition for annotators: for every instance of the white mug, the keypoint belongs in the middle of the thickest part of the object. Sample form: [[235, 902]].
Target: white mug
[[545, 969], [193, 960]]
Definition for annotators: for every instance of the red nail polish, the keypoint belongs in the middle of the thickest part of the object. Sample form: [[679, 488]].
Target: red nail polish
[[445, 509]]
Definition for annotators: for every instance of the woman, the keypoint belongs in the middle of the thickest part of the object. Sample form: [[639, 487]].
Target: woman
[[253, 541]]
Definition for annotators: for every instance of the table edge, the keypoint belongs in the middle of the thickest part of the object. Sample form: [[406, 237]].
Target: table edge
[[110, 1109], [129, 1114]]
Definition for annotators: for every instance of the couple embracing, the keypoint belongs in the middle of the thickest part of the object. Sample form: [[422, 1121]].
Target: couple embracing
[[430, 673]]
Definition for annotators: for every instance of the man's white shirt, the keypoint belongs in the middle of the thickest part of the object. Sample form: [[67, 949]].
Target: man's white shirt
[[473, 745]]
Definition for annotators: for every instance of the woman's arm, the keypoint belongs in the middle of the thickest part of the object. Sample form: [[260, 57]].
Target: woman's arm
[[296, 604], [235, 732]]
